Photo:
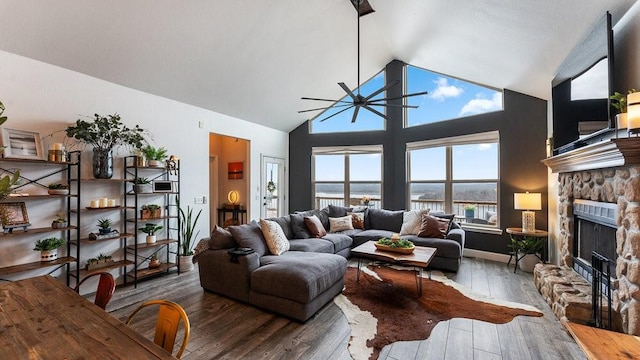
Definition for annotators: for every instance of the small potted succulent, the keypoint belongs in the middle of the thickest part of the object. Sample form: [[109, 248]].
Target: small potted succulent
[[154, 262], [150, 211], [104, 226], [100, 262], [59, 222], [150, 229], [154, 156], [142, 185], [58, 189], [48, 248]]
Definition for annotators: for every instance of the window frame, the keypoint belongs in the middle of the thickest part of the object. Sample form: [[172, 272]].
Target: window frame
[[449, 181]]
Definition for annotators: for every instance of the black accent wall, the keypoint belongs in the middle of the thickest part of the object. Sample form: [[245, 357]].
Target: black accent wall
[[523, 130]]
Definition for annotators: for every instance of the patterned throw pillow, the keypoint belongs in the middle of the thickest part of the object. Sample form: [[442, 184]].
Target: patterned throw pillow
[[203, 245], [357, 220], [433, 227], [411, 221], [276, 241], [340, 224], [315, 226]]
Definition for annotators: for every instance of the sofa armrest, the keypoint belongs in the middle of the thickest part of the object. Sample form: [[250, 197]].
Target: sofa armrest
[[457, 235], [220, 275]]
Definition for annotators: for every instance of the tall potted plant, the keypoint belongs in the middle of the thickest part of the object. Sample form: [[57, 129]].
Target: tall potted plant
[[104, 133], [187, 224]]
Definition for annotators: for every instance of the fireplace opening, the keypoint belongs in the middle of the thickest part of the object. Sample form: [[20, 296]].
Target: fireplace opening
[[594, 231]]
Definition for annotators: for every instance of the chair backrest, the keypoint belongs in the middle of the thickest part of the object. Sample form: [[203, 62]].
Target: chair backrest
[[169, 315], [106, 288]]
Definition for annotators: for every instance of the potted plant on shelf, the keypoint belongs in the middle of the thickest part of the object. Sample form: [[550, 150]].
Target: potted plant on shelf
[[154, 156], [154, 262], [150, 211], [100, 262], [7, 182], [470, 211], [619, 102], [59, 222], [58, 189], [104, 226], [187, 225], [104, 133], [150, 229], [528, 249], [2, 118], [48, 248], [142, 185]]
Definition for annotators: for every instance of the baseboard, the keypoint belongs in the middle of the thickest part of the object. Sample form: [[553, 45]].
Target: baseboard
[[480, 254]]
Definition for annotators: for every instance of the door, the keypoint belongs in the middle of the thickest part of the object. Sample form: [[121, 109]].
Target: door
[[273, 187]]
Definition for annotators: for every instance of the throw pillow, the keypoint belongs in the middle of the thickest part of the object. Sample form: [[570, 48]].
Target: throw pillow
[[338, 211], [203, 245], [340, 224], [221, 239], [433, 227], [357, 220], [381, 219], [274, 237], [315, 226], [442, 215], [299, 228], [412, 221], [250, 236]]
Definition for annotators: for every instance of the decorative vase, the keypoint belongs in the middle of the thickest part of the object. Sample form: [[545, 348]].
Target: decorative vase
[[104, 231], [49, 255], [186, 263], [528, 262], [151, 239], [155, 163], [102, 164], [143, 188]]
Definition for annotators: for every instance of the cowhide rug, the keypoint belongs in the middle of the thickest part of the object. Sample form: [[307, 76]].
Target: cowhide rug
[[384, 307]]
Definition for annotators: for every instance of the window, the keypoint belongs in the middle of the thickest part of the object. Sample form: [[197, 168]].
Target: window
[[456, 175], [448, 97], [366, 120], [343, 176]]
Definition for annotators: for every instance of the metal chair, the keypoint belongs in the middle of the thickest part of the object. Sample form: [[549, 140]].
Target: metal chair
[[106, 288], [169, 315]]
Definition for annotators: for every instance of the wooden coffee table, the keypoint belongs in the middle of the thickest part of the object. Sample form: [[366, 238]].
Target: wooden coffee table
[[420, 259]]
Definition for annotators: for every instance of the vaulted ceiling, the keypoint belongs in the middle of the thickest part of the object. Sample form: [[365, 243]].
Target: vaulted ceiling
[[254, 59]]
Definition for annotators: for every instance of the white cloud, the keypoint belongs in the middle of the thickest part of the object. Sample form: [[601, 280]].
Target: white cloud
[[482, 147], [444, 90], [480, 105]]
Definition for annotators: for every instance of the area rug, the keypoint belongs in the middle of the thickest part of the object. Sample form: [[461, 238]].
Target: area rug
[[384, 307]]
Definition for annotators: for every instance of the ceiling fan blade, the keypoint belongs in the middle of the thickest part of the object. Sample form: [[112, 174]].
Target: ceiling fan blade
[[341, 111], [337, 101], [348, 91], [403, 96], [395, 105], [384, 88], [324, 108], [376, 112], [355, 114]]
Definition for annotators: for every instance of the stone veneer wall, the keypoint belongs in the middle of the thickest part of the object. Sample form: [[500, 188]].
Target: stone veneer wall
[[620, 186]]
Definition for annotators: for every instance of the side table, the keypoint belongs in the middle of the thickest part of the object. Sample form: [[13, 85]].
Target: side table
[[517, 234]]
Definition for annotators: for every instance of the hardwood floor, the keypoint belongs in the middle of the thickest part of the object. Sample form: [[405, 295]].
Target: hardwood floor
[[225, 329]]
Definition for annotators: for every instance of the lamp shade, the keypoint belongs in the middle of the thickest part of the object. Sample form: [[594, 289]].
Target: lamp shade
[[633, 112], [527, 201]]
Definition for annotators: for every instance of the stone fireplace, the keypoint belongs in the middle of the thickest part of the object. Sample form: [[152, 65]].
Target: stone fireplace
[[601, 184]]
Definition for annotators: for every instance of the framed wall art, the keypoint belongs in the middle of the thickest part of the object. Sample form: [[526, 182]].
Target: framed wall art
[[21, 144], [14, 215]]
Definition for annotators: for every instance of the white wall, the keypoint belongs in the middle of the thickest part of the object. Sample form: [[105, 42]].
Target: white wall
[[45, 98]]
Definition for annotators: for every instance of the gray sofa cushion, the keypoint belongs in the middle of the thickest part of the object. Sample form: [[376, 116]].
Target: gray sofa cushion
[[323, 215], [285, 224], [338, 211], [381, 219], [311, 245], [249, 235], [221, 239], [446, 248], [298, 227], [298, 276], [370, 235], [340, 241]]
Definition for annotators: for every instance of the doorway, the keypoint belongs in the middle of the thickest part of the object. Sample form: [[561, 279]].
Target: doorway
[[273, 187]]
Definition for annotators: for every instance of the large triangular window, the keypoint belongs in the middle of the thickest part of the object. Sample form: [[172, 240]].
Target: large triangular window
[[448, 97]]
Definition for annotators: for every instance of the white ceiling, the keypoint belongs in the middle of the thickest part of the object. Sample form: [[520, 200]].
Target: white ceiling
[[254, 59]]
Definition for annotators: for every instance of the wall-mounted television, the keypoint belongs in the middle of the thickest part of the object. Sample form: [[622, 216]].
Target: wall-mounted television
[[581, 88]]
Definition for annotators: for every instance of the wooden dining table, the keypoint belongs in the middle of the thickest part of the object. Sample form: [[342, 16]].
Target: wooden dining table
[[41, 318]]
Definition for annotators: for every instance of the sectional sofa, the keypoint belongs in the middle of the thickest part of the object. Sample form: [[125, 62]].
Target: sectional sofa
[[298, 282]]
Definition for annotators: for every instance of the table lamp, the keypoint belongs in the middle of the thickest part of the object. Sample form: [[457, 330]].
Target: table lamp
[[528, 202]]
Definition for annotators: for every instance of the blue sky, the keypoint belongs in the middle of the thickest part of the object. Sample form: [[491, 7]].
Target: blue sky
[[448, 98]]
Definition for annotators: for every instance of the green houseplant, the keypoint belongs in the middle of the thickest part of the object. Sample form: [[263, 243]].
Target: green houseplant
[[104, 133], [470, 211], [619, 102], [48, 248], [142, 185], [154, 156], [187, 224], [150, 211], [58, 189], [150, 229], [104, 225], [59, 222], [528, 249], [2, 118]]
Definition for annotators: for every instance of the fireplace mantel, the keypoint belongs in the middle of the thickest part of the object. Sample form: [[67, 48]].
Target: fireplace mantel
[[604, 154]]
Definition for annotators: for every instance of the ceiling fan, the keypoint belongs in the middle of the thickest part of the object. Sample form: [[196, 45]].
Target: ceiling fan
[[356, 100]]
